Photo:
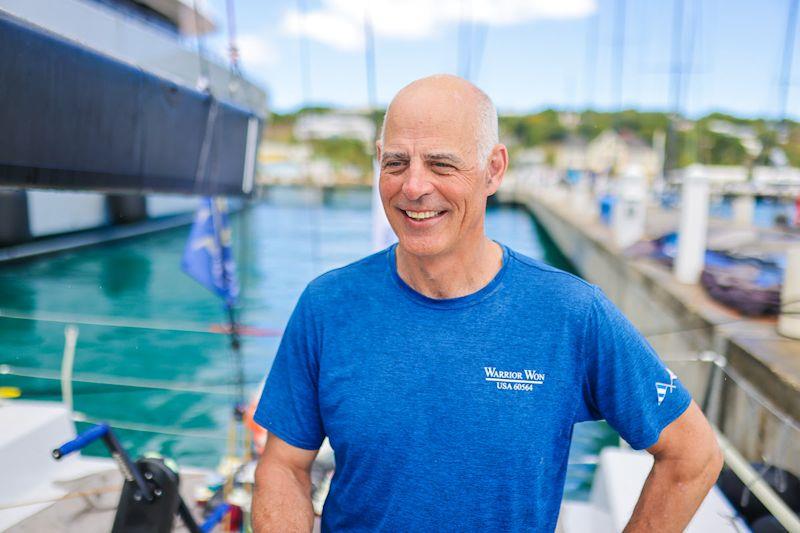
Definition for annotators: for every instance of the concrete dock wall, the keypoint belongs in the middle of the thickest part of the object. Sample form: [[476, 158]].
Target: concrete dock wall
[[682, 322]]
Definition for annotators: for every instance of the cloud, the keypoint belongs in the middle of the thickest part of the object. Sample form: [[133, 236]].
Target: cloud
[[326, 26], [340, 23], [256, 51]]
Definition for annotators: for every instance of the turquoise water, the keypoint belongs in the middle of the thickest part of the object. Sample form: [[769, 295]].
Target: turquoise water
[[281, 244]]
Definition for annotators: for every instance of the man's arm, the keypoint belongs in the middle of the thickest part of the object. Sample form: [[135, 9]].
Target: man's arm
[[687, 463], [282, 496]]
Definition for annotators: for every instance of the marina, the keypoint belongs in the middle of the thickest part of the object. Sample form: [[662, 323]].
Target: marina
[[164, 205]]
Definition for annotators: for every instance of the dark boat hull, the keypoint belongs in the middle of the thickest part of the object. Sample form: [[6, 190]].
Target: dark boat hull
[[75, 119]]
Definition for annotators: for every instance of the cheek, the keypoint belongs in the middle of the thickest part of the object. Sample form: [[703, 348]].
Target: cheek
[[461, 193], [387, 187]]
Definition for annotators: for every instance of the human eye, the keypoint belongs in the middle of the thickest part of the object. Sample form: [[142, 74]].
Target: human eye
[[393, 164], [442, 166]]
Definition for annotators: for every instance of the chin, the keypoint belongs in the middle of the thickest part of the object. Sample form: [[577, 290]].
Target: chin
[[421, 247]]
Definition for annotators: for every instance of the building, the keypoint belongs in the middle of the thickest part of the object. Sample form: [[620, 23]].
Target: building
[[615, 152], [334, 124]]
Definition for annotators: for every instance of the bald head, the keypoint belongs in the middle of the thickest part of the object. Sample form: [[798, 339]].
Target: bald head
[[453, 98]]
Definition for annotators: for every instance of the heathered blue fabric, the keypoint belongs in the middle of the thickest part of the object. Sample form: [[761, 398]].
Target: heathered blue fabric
[[426, 438]]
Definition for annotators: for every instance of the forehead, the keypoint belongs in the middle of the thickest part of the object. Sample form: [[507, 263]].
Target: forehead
[[431, 121]]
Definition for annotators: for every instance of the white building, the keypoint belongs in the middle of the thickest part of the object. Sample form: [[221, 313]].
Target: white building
[[614, 153], [334, 125]]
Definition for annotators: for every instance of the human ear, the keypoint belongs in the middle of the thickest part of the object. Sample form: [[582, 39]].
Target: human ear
[[496, 168]]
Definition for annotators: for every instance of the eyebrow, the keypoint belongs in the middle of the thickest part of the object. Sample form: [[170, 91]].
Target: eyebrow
[[433, 156], [398, 156], [444, 156]]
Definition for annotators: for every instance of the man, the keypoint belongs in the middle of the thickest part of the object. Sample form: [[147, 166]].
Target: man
[[448, 371]]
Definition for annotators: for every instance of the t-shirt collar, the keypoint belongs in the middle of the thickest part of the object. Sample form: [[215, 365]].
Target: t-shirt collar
[[447, 303]]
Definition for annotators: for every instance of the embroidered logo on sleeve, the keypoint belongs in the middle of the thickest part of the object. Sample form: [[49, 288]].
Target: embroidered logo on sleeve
[[663, 388]]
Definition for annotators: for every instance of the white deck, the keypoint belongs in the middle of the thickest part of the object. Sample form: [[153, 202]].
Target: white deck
[[620, 476], [30, 474]]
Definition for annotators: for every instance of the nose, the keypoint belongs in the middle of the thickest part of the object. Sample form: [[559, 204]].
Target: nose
[[417, 182]]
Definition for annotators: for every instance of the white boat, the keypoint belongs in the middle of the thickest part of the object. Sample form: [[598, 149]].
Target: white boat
[[618, 481]]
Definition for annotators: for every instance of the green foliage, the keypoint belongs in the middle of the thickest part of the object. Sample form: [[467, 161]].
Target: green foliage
[[792, 146], [343, 152], [695, 143], [722, 150], [593, 123], [533, 130], [315, 110]]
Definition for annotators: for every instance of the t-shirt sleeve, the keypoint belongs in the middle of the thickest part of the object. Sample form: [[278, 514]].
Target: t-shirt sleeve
[[289, 406], [625, 381]]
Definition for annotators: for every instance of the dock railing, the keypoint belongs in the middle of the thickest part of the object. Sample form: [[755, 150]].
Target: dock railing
[[752, 433], [750, 429]]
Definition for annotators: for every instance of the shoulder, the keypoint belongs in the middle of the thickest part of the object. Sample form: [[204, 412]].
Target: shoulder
[[359, 277], [551, 283]]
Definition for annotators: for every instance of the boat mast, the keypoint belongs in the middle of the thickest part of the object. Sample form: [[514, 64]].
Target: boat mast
[[786, 64], [676, 73], [619, 53]]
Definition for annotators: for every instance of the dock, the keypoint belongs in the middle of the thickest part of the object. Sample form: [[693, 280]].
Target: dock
[[683, 323]]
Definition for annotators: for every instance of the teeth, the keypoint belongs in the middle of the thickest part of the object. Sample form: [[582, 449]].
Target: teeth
[[422, 215]]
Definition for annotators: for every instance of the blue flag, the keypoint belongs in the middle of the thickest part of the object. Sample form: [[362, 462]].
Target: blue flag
[[208, 256]]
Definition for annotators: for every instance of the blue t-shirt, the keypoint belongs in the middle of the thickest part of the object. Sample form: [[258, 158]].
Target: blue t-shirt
[[457, 414]]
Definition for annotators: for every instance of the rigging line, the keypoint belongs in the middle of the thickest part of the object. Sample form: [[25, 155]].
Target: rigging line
[[786, 59], [233, 49], [619, 52], [99, 379], [752, 393], [160, 325], [671, 156], [689, 60], [305, 73], [590, 67], [204, 81], [305, 60], [369, 58], [650, 335], [69, 496], [481, 32], [201, 173], [641, 16], [235, 344], [150, 428], [464, 42]]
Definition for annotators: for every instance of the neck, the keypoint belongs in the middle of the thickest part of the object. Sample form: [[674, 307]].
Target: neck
[[452, 274]]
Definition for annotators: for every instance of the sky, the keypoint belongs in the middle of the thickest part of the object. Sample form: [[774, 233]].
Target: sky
[[567, 54]]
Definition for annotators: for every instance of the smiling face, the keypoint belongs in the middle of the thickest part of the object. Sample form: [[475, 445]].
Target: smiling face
[[432, 186]]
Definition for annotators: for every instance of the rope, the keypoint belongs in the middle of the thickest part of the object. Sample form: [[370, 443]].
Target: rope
[[305, 64], [786, 305], [201, 173], [755, 395], [71, 495], [369, 60], [786, 59], [150, 428], [618, 63], [98, 379], [590, 62], [464, 41], [480, 44], [137, 323], [204, 81], [233, 50]]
